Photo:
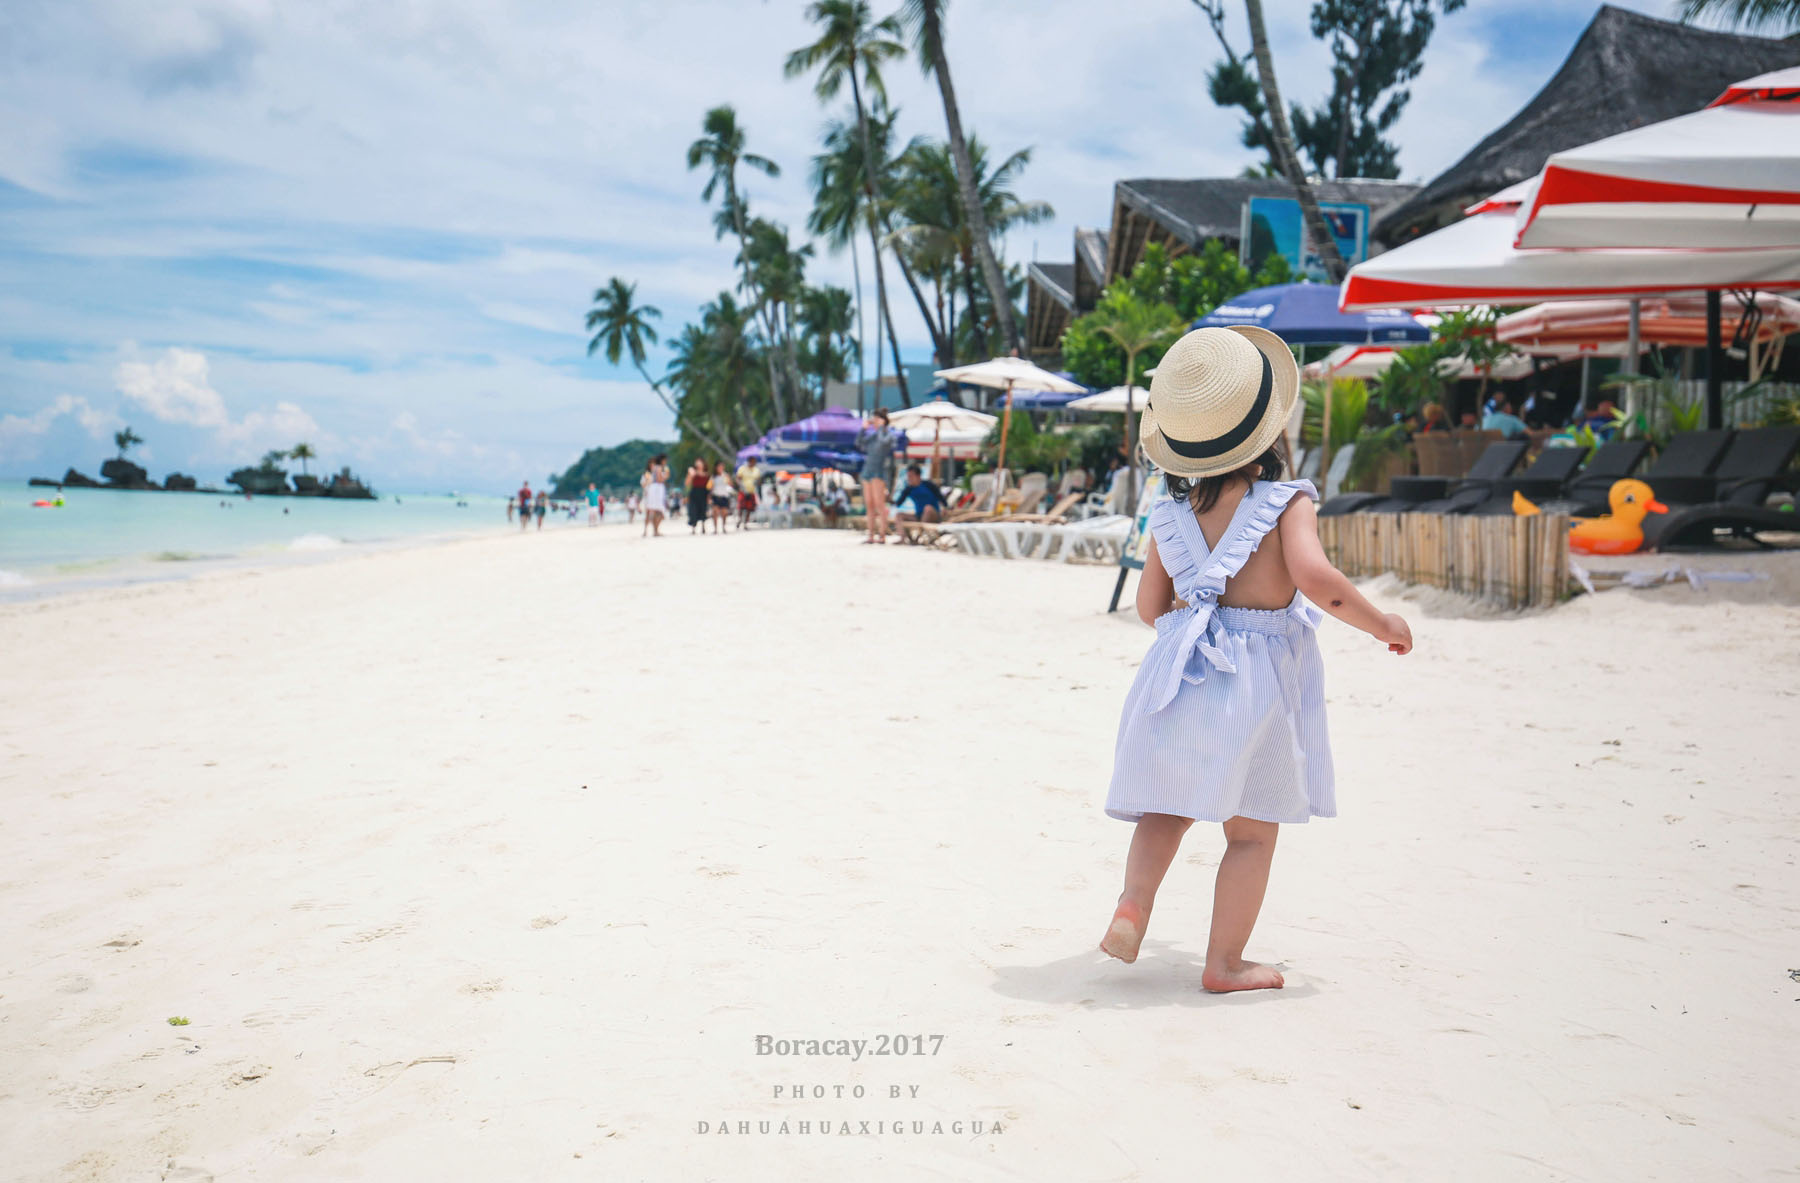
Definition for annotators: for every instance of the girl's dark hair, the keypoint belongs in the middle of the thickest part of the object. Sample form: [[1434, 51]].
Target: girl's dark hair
[[881, 414], [1202, 492]]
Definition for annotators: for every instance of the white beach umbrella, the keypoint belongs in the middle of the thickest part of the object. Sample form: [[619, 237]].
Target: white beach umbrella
[[946, 423], [1726, 177], [1118, 399], [1474, 261], [1009, 374], [1372, 361]]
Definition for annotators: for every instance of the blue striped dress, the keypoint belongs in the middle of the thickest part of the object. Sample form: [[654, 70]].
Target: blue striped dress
[[1227, 715]]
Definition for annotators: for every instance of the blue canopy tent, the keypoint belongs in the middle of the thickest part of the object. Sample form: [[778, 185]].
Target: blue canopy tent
[[1307, 314]]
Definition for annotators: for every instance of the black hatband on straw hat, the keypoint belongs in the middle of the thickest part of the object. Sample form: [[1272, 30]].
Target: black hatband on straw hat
[[1206, 449]]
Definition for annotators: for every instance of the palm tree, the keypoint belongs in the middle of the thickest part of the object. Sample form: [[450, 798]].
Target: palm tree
[[303, 452], [844, 202], [837, 215], [722, 150], [1777, 16], [930, 201], [126, 440], [852, 47], [1135, 325], [622, 327], [926, 19], [1284, 146], [826, 318]]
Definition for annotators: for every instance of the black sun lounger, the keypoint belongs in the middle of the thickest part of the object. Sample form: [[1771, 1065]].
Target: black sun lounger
[[1495, 465], [1547, 477], [1730, 503], [1683, 472]]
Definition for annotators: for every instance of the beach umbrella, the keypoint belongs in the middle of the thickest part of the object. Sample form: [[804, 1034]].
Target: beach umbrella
[[834, 427], [936, 418], [1762, 320], [1371, 361], [1474, 261], [1009, 374], [1116, 400], [1308, 314], [1725, 177]]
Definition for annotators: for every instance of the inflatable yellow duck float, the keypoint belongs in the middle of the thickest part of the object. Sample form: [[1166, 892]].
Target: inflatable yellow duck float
[[1620, 532]]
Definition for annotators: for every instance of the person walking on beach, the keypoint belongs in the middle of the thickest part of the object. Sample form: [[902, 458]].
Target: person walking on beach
[[1225, 721], [593, 500], [655, 482], [631, 509], [876, 442], [543, 507], [748, 474], [509, 510], [723, 494], [697, 482], [524, 505]]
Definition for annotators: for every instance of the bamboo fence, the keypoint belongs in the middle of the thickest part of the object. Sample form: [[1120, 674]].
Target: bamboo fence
[[1515, 562]]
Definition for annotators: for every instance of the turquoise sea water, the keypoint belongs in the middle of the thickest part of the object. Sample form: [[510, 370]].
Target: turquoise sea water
[[103, 536]]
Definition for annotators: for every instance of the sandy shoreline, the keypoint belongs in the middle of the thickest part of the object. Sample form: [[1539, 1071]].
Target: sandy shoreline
[[491, 859]]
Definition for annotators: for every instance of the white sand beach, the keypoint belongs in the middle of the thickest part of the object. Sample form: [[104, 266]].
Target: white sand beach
[[492, 860]]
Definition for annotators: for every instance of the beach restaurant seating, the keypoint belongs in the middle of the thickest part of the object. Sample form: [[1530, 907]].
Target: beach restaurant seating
[[1612, 461], [1731, 500], [1436, 494]]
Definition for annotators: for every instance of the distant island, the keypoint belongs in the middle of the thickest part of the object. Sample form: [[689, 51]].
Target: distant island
[[267, 479], [609, 469]]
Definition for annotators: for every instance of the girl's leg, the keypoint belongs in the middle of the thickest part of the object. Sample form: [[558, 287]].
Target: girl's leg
[[1237, 898], [1153, 846]]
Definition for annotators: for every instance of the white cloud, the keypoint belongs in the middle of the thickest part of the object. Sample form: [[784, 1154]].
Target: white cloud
[[175, 388], [19, 433], [282, 427]]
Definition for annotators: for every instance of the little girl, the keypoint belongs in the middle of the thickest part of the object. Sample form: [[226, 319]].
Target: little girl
[[1226, 719]]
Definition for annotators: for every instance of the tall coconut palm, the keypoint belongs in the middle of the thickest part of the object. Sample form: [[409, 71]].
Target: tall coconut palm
[[303, 452], [844, 204], [1135, 325], [852, 47], [837, 216], [722, 151], [932, 205], [926, 19], [126, 440], [622, 328], [1285, 154], [826, 319], [1775, 16]]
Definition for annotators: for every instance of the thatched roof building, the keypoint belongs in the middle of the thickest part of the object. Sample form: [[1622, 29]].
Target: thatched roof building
[[1056, 293], [1627, 70], [1182, 215]]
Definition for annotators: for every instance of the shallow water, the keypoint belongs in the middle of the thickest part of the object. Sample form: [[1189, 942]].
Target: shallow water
[[105, 536]]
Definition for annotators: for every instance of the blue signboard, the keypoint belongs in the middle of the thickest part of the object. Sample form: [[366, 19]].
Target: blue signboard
[[1275, 226]]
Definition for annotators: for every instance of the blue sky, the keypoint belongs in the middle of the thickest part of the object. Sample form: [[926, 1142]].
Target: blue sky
[[237, 224]]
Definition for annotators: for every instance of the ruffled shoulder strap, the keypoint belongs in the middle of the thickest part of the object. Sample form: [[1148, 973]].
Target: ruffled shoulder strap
[[1179, 543], [1260, 512]]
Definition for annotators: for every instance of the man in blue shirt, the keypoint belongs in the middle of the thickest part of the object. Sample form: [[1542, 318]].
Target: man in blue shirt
[[1502, 420], [927, 505]]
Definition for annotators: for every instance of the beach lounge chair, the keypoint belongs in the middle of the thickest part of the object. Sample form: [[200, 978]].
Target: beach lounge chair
[[1027, 497], [1495, 465], [1547, 477], [1730, 503], [1612, 461], [1683, 472]]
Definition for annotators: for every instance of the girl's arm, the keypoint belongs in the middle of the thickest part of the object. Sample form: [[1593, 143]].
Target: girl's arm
[[1155, 591], [1328, 587]]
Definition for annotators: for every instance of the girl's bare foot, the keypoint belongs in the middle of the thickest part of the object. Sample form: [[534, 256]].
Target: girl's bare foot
[[1244, 975], [1125, 933]]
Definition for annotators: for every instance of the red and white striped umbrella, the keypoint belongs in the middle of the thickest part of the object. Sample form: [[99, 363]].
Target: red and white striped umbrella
[[1474, 261], [1671, 320], [1723, 178]]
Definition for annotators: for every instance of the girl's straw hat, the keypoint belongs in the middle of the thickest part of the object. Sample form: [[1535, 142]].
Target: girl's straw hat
[[1218, 400]]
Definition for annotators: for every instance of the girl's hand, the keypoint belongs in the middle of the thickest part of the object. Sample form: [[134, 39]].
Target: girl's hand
[[1395, 634]]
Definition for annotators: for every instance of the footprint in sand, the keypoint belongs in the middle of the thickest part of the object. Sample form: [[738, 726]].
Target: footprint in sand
[[547, 921]]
